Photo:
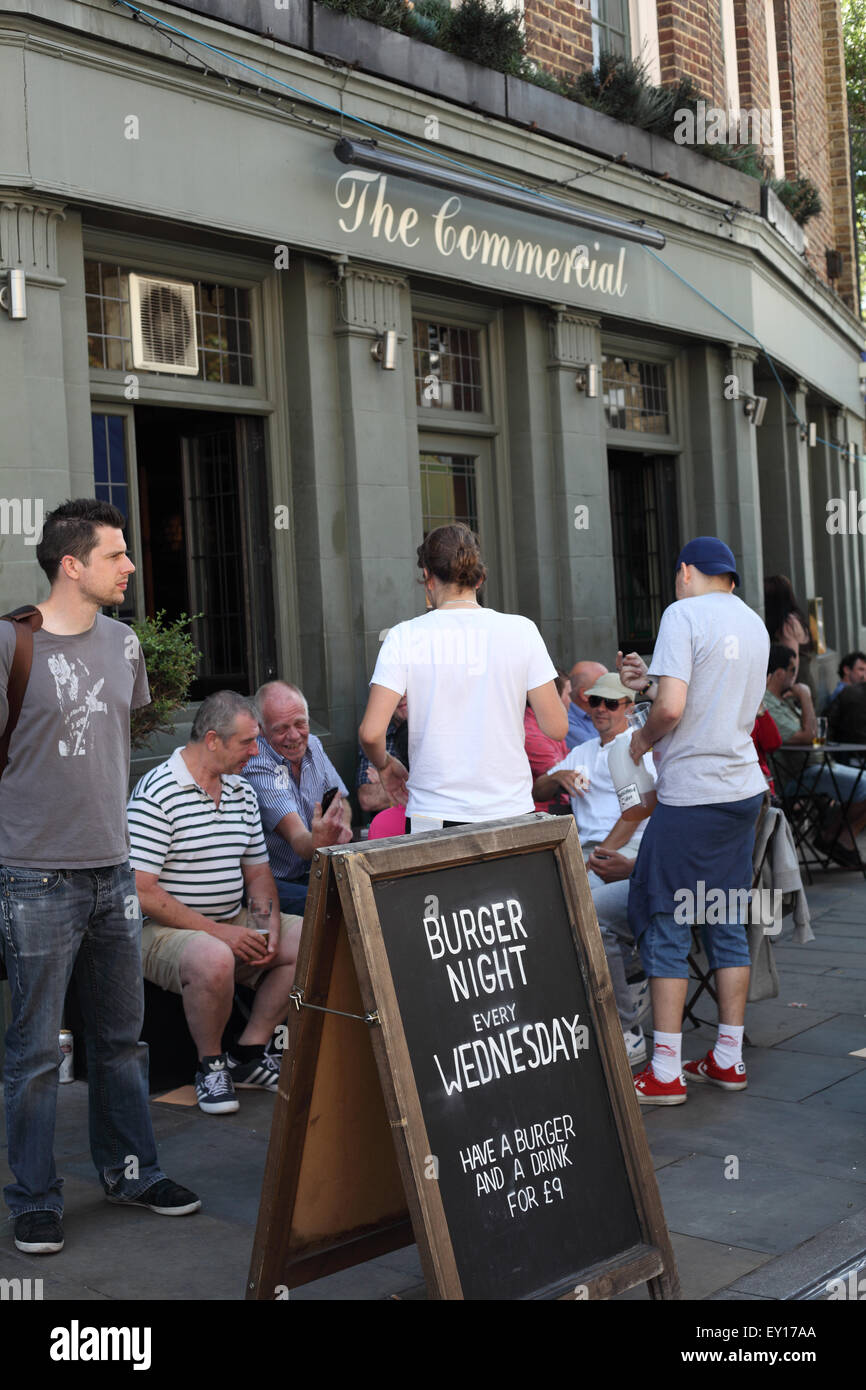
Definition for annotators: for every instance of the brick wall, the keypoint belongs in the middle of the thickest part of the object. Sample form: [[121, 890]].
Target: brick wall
[[558, 35], [815, 126], [751, 30], [690, 44], [811, 87], [839, 194]]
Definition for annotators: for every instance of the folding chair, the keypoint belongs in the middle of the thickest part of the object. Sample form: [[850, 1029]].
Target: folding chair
[[698, 974]]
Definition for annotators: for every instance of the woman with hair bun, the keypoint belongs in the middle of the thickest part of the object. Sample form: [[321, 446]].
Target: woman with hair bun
[[468, 672], [787, 623]]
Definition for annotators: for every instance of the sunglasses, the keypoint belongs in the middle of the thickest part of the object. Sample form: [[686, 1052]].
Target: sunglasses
[[595, 700]]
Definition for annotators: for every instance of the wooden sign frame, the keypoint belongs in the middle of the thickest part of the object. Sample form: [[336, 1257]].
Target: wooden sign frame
[[330, 1130], [279, 1259]]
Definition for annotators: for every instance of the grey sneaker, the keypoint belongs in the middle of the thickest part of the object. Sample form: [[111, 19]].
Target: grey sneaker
[[213, 1087]]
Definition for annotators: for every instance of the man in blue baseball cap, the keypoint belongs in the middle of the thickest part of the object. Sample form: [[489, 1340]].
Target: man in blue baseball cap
[[709, 555], [706, 681]]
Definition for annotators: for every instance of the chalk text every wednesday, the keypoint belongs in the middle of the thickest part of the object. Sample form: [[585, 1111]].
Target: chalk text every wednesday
[[470, 242]]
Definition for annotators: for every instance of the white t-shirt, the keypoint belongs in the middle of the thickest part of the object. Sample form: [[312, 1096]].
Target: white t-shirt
[[597, 810], [719, 646], [466, 672]]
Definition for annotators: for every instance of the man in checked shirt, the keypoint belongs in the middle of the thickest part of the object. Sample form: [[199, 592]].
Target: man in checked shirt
[[291, 774]]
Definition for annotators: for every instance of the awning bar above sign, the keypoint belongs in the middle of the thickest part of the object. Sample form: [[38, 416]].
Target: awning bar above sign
[[367, 155]]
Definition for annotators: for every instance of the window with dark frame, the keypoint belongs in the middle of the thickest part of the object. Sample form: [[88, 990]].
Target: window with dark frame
[[635, 395], [447, 366], [448, 490], [223, 323]]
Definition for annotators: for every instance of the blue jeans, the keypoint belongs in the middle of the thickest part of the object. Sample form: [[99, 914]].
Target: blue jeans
[[292, 893], [83, 925], [611, 908], [819, 779]]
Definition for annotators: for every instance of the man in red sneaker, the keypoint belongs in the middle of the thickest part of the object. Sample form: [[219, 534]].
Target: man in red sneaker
[[706, 681]]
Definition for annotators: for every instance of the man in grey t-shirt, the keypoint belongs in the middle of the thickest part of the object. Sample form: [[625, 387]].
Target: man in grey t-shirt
[[706, 681], [70, 910]]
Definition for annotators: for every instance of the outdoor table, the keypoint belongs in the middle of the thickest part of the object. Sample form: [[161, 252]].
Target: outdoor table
[[805, 820]]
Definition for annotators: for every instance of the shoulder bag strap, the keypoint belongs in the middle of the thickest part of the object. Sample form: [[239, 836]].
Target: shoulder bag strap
[[27, 620]]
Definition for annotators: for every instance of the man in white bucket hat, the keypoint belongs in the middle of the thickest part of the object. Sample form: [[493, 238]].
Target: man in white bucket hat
[[609, 845]]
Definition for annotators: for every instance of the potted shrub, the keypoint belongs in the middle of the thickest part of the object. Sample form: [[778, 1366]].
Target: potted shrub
[[170, 657]]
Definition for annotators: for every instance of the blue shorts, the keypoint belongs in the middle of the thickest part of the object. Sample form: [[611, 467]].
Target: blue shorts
[[702, 853], [665, 944]]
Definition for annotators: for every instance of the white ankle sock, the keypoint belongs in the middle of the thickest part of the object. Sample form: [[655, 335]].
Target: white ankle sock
[[667, 1055], [728, 1049]]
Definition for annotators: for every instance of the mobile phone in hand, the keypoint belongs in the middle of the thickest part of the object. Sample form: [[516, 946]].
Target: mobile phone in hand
[[328, 798]]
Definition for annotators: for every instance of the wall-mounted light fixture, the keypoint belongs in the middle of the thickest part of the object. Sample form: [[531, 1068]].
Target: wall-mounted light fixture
[[367, 155], [587, 379], [809, 432], [13, 296], [755, 408], [833, 259], [384, 350]]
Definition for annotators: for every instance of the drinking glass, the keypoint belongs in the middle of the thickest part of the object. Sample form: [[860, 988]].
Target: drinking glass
[[259, 914], [821, 732]]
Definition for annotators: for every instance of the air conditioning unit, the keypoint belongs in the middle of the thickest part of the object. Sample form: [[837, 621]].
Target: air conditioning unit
[[163, 325]]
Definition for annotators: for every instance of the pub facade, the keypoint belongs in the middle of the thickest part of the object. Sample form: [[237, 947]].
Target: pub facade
[[285, 362]]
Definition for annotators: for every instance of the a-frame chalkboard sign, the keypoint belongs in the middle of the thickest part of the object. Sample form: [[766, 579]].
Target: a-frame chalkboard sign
[[455, 1073]]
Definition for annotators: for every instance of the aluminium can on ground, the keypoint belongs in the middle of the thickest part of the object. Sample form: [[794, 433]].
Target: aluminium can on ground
[[67, 1072]]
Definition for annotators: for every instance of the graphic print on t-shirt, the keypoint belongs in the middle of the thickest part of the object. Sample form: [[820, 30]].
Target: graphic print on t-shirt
[[78, 700]]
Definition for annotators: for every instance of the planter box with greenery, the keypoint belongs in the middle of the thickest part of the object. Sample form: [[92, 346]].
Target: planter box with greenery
[[555, 115], [289, 25], [550, 113], [400, 58], [684, 165], [779, 217]]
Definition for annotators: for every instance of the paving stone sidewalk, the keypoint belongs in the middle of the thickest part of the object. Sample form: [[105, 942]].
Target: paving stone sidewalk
[[795, 1213]]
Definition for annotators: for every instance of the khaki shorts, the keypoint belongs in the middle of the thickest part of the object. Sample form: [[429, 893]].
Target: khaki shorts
[[162, 948]]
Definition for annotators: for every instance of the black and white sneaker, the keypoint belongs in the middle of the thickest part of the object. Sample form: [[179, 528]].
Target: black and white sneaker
[[164, 1197], [261, 1074], [39, 1232], [213, 1087]]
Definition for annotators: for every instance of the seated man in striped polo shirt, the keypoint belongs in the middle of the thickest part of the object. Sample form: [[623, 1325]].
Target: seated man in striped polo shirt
[[291, 774], [196, 847]]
